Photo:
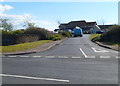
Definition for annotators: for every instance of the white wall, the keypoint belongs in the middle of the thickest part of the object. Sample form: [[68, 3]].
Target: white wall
[[94, 29]]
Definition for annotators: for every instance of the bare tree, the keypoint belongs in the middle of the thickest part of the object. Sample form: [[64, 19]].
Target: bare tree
[[103, 22], [29, 24]]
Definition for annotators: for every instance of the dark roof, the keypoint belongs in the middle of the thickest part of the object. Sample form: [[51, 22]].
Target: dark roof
[[56, 29], [104, 26], [77, 21], [81, 23], [91, 23], [64, 24]]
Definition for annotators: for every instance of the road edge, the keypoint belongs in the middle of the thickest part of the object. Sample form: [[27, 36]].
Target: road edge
[[107, 46]]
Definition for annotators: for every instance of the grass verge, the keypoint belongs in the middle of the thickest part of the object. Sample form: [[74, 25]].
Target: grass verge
[[23, 46], [94, 37]]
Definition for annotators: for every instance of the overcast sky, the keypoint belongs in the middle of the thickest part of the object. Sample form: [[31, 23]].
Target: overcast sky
[[46, 14]]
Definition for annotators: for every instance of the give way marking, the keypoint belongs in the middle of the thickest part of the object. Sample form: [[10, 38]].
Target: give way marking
[[99, 50], [35, 78]]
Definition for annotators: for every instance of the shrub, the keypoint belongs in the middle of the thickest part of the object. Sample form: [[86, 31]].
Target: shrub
[[18, 32], [38, 31], [112, 35], [5, 32], [65, 33], [54, 36]]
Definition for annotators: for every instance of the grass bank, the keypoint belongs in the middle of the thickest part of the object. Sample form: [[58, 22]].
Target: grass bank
[[95, 37], [23, 46]]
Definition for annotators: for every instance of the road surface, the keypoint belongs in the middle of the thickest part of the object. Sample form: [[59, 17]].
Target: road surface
[[74, 61]]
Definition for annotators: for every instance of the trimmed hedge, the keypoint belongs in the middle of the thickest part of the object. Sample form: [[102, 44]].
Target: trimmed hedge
[[113, 35]]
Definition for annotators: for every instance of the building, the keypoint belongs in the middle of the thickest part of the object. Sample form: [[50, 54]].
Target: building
[[87, 27], [104, 27]]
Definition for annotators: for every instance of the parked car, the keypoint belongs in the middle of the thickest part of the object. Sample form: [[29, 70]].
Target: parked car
[[99, 32]]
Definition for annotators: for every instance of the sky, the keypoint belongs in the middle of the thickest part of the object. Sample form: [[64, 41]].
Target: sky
[[47, 14]]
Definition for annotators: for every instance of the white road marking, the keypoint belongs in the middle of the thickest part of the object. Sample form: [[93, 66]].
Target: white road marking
[[76, 57], [24, 56], [104, 56], [99, 50], [12, 56], [36, 56], [90, 57], [63, 57], [36, 78], [83, 52], [117, 57], [49, 56]]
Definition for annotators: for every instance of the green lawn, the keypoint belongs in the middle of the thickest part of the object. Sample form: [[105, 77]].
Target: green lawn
[[23, 46]]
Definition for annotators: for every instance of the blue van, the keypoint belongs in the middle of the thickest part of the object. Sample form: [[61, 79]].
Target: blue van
[[78, 32]]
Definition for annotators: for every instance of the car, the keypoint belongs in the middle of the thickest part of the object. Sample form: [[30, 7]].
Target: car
[[99, 32]]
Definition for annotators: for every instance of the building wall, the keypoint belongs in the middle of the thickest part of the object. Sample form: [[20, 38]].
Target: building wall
[[94, 29]]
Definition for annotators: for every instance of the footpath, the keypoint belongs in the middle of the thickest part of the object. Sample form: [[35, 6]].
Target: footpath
[[37, 49]]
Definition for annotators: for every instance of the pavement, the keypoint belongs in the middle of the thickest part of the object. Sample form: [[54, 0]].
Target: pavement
[[75, 60], [34, 50]]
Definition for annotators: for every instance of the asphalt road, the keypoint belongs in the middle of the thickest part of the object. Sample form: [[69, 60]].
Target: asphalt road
[[74, 61]]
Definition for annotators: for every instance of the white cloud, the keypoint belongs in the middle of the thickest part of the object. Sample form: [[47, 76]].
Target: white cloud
[[50, 25], [15, 19], [4, 8], [2, 0], [18, 21]]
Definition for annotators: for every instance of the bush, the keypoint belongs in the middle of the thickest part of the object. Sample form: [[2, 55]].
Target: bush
[[18, 32], [112, 35], [65, 33], [38, 31], [5, 32], [54, 36]]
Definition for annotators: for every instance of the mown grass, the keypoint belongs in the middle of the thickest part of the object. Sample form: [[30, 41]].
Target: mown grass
[[23, 46]]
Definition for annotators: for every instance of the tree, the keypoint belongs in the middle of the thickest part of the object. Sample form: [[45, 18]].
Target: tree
[[29, 24], [6, 26]]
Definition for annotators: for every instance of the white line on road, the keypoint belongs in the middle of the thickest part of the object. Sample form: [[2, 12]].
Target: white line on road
[[36, 56], [63, 57], [76, 57], [99, 50], [117, 57], [104, 56], [24, 56], [83, 52], [90, 57], [49, 56], [28, 77]]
